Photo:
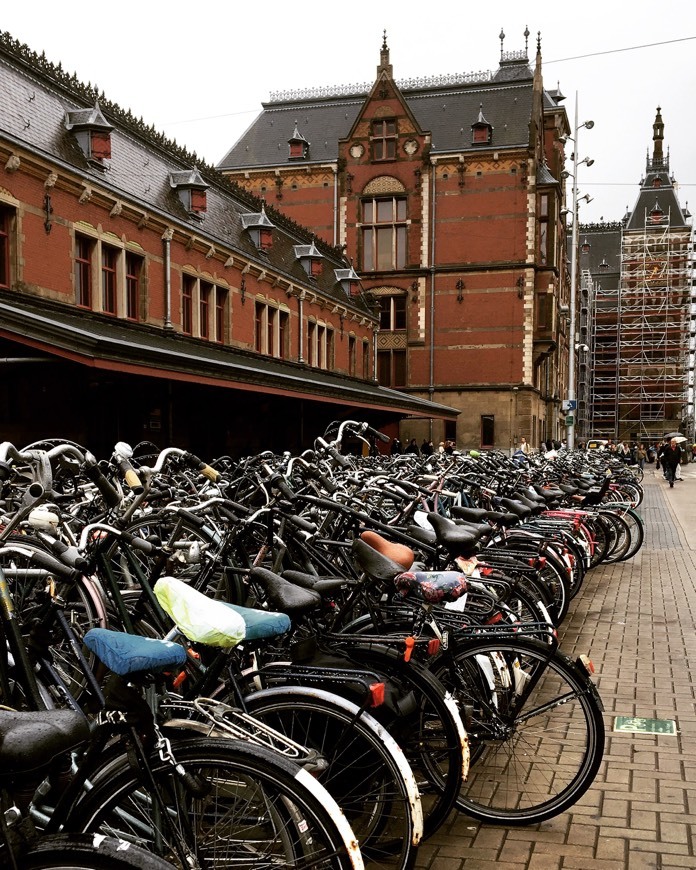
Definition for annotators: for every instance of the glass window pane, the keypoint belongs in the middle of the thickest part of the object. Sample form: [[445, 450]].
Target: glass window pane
[[384, 247], [384, 368], [385, 211], [400, 247], [399, 366], [385, 312], [399, 312], [368, 211], [401, 209], [368, 258]]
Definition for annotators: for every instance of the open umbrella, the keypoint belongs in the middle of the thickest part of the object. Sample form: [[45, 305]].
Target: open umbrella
[[677, 436]]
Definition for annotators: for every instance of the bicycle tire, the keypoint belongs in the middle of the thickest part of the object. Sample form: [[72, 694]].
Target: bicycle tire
[[275, 814], [427, 727], [360, 764], [89, 852], [533, 754], [622, 541], [636, 533]]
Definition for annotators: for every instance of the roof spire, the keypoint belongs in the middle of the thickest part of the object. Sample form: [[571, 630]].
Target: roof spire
[[526, 39], [384, 65], [501, 37], [658, 137]]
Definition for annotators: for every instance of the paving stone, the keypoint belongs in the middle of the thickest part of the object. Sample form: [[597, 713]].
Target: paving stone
[[636, 621]]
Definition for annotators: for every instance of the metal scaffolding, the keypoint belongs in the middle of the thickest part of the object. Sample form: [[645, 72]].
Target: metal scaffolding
[[643, 341]]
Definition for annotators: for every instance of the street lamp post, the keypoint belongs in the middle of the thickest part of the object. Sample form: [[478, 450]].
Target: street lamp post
[[570, 413]]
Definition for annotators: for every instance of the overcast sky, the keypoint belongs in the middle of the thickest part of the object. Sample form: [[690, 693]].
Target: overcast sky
[[199, 71]]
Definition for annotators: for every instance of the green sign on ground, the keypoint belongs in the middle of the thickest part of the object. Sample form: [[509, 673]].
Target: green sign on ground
[[638, 725]]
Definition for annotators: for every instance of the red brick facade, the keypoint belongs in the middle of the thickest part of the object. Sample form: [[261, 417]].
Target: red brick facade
[[459, 217]]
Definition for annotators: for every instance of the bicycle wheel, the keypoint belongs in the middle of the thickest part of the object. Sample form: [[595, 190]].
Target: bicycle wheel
[[535, 725], [636, 533], [425, 722], [242, 807], [358, 763], [86, 852]]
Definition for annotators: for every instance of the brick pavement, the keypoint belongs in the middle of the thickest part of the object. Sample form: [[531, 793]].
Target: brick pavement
[[636, 620]]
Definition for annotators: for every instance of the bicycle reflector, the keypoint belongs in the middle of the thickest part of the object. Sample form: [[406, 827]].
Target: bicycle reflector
[[376, 694], [585, 662], [433, 646]]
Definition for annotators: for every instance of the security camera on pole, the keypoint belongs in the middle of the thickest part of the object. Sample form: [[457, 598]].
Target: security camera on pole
[[572, 347]]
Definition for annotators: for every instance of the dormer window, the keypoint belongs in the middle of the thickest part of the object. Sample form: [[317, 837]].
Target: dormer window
[[481, 130], [260, 229], [191, 190], [348, 279], [657, 182], [657, 214], [299, 146], [92, 132], [310, 258]]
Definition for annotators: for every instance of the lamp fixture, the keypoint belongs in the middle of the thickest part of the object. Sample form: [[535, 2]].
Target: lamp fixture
[[520, 287], [242, 289], [586, 197], [414, 291], [461, 286]]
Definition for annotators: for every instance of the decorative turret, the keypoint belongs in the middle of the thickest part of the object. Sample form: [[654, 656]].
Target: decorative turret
[[384, 65]]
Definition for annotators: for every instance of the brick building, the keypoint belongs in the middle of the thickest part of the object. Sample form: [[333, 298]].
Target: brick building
[[143, 296], [445, 194]]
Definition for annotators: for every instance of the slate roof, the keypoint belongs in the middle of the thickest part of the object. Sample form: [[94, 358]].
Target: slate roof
[[666, 198], [36, 96], [446, 111], [605, 247]]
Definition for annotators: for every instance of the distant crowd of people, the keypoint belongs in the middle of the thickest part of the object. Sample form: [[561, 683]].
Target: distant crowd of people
[[667, 455], [427, 448]]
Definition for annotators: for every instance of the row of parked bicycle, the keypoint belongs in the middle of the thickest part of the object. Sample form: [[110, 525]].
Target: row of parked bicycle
[[292, 661]]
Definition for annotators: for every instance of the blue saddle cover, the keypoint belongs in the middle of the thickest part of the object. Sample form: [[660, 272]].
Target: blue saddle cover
[[262, 623], [434, 587], [128, 653]]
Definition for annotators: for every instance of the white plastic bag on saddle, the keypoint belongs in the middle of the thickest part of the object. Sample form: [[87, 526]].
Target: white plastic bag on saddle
[[201, 619]]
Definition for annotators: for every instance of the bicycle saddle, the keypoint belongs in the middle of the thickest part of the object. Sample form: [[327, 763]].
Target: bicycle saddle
[[285, 596], [373, 563], [457, 540], [433, 587], [130, 653], [398, 553], [322, 585], [31, 740]]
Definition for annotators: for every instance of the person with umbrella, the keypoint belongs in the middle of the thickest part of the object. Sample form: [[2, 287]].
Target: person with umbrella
[[670, 457]]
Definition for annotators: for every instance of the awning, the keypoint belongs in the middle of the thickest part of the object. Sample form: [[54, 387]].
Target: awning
[[107, 343]]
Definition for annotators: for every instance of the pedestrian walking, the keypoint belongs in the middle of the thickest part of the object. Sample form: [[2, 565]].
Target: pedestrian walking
[[426, 448], [670, 457], [641, 455]]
